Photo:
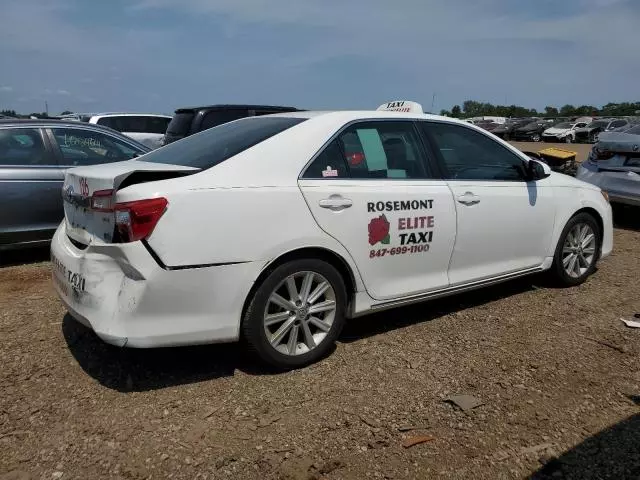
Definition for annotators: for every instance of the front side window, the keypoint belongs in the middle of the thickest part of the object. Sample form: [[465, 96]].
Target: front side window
[[470, 155], [85, 147], [22, 147]]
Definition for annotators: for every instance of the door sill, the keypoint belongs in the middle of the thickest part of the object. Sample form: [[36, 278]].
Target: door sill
[[444, 292]]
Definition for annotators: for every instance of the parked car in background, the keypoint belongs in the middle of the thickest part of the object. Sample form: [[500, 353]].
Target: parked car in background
[[591, 132], [275, 229], [146, 128], [614, 166], [188, 121], [505, 131], [532, 131], [34, 155], [562, 132], [488, 125]]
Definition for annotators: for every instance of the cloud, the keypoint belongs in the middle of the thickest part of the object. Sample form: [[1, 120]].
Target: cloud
[[323, 53], [64, 93], [6, 89]]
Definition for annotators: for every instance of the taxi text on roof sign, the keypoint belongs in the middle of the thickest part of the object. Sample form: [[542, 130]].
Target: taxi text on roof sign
[[401, 106]]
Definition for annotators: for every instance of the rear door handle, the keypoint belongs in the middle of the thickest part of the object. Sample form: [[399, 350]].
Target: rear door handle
[[468, 198], [335, 203]]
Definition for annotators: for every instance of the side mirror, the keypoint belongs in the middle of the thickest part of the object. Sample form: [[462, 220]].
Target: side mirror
[[537, 170]]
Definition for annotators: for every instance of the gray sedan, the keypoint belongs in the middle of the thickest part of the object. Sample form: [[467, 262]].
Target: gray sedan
[[614, 166], [34, 155]]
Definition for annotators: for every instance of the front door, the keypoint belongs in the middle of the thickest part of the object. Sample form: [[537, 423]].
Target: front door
[[30, 187], [373, 190], [504, 222]]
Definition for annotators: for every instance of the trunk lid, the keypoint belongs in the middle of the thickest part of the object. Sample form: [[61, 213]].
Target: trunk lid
[[86, 225]]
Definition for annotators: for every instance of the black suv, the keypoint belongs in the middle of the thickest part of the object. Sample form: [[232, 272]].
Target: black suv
[[188, 121]]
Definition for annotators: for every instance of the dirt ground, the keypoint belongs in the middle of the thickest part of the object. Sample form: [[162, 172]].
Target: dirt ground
[[555, 370]]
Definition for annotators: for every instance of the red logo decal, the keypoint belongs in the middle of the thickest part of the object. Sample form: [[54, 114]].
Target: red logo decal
[[379, 230], [84, 187]]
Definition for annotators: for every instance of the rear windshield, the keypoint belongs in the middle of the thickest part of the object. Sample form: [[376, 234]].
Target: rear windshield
[[215, 145], [180, 124]]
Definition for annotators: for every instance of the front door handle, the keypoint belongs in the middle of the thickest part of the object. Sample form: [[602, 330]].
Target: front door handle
[[335, 203], [468, 198]]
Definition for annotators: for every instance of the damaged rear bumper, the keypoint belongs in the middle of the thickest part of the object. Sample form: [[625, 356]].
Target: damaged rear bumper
[[123, 294]]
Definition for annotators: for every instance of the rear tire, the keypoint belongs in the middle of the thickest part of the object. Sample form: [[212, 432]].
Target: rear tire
[[577, 252], [296, 314]]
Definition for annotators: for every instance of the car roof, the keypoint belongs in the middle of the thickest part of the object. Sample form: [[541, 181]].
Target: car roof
[[42, 122], [124, 114], [352, 115], [238, 106], [45, 122]]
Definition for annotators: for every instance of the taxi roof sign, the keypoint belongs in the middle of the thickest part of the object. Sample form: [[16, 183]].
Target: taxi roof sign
[[401, 106]]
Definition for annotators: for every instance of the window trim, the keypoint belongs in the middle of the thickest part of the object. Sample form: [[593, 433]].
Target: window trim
[[428, 164], [442, 163], [48, 147], [57, 152]]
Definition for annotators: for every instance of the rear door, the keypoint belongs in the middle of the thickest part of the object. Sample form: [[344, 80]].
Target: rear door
[[30, 186], [372, 189]]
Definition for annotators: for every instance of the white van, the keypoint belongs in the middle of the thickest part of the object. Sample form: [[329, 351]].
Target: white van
[[146, 128]]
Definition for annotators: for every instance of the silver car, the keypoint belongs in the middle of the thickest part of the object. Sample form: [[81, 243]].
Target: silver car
[[614, 165], [34, 155]]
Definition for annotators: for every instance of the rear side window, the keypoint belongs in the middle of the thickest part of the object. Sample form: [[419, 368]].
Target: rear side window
[[372, 150], [157, 124], [180, 124], [22, 147], [220, 117], [211, 147], [86, 147], [329, 164]]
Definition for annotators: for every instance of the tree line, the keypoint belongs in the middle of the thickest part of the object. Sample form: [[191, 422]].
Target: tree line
[[12, 113], [471, 108]]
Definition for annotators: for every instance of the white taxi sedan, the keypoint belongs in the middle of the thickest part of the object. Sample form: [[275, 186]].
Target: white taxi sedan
[[276, 229]]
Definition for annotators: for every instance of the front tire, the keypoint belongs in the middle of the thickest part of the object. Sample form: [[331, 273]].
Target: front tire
[[536, 137], [296, 314], [568, 139], [577, 251]]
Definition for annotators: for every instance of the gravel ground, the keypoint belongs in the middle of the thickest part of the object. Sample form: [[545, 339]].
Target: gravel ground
[[555, 370]]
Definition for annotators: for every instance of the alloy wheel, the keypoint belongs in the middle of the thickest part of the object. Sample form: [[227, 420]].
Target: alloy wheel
[[579, 250], [299, 313]]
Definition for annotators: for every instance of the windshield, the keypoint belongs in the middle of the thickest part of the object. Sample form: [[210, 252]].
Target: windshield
[[215, 145], [563, 125], [635, 130], [531, 125], [598, 123]]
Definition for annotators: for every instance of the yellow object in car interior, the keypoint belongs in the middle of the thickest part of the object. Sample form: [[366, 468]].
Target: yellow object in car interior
[[559, 153]]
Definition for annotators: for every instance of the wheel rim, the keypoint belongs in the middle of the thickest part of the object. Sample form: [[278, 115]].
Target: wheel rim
[[579, 250], [299, 313], [567, 139], [536, 138]]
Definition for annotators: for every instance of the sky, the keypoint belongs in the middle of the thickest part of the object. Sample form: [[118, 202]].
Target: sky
[[159, 55]]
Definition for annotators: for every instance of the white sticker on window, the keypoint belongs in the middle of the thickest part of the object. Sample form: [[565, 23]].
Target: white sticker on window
[[329, 172]]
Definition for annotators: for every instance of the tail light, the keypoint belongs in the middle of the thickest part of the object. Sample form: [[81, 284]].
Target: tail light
[[136, 220]]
